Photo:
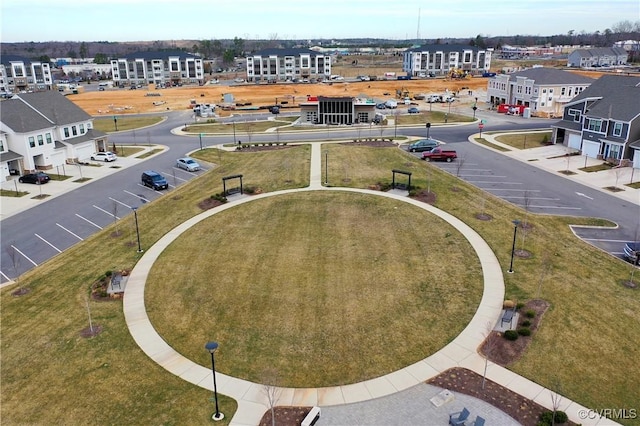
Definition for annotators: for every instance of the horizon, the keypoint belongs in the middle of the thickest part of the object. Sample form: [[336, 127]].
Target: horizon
[[138, 21]]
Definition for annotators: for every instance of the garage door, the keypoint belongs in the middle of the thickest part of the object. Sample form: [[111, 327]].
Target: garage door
[[574, 141], [84, 151], [590, 149], [636, 158]]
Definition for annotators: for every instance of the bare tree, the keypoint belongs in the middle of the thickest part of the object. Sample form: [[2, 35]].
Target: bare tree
[[488, 347], [86, 301], [12, 251], [114, 212], [271, 390], [617, 171], [248, 127], [547, 266], [459, 165], [556, 400]]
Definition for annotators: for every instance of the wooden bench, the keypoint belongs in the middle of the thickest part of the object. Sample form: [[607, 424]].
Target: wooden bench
[[312, 417]]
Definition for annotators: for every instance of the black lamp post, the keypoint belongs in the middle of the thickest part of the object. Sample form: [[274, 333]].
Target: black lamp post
[[115, 122], [135, 214], [212, 347], [428, 127], [326, 167], [513, 245]]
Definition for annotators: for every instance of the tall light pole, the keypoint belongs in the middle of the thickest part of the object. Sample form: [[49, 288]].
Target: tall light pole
[[234, 132], [135, 215], [200, 141], [428, 128], [212, 347], [513, 245]]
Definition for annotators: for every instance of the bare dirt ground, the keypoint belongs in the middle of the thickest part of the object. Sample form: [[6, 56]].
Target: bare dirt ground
[[145, 100]]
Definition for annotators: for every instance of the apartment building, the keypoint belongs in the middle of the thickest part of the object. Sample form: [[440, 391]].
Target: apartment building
[[598, 57], [20, 74], [162, 68], [544, 90], [271, 65], [442, 59]]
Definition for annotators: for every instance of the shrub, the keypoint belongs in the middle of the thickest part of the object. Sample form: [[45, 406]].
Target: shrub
[[108, 273], [511, 335], [520, 305], [508, 304], [524, 331], [545, 139], [526, 323], [530, 313], [546, 418]]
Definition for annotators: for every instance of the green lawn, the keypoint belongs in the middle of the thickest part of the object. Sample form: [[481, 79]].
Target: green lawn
[[533, 139], [123, 122], [586, 348]]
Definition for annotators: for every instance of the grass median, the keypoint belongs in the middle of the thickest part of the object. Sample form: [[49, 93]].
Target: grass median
[[587, 340]]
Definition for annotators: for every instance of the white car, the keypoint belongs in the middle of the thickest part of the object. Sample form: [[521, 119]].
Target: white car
[[188, 164], [104, 156]]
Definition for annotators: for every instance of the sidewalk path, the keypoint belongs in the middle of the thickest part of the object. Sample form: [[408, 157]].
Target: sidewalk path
[[251, 398]]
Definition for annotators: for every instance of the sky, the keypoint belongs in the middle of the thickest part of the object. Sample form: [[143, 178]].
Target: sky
[[149, 20]]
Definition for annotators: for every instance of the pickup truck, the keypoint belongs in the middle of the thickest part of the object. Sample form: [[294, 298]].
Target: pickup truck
[[438, 153], [632, 252]]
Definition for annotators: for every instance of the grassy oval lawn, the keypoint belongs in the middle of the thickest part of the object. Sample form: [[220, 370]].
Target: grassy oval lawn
[[324, 288]]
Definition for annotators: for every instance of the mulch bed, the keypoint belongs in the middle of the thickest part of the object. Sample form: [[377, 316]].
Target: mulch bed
[[425, 196], [209, 203]]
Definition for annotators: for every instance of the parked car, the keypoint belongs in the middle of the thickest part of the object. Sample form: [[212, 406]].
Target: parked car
[[154, 180], [413, 110], [37, 178], [440, 154], [632, 252], [104, 156], [423, 145], [381, 106], [188, 164], [488, 74], [391, 104]]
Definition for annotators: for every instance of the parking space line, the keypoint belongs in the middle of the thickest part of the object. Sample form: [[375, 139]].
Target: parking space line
[[504, 197], [181, 170], [136, 195], [150, 189], [88, 221], [120, 202], [24, 255], [605, 241], [104, 211], [503, 183], [508, 189], [75, 235], [462, 176], [47, 242], [5, 277], [551, 207]]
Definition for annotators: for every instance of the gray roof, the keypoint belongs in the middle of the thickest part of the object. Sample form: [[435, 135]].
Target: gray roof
[[600, 51], [157, 54], [287, 52], [569, 125], [443, 48], [8, 156], [87, 137], [544, 75], [27, 112], [613, 96], [7, 59]]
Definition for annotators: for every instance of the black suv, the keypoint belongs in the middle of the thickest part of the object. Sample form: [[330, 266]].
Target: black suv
[[154, 180], [37, 178]]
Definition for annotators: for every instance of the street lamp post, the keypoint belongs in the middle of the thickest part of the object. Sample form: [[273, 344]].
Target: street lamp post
[[212, 347], [513, 245], [326, 167], [428, 128], [115, 122], [200, 141], [234, 132], [135, 215]]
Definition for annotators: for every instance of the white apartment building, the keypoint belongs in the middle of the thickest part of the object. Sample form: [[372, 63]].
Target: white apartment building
[[159, 68], [544, 90], [441, 59], [287, 64], [19, 74]]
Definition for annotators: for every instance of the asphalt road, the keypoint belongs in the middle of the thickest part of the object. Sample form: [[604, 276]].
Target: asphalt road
[[34, 236]]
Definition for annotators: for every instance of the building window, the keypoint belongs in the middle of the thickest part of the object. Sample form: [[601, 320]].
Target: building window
[[40, 140], [575, 113], [48, 136], [74, 130], [594, 125], [617, 129], [562, 91], [32, 142], [66, 132], [82, 129]]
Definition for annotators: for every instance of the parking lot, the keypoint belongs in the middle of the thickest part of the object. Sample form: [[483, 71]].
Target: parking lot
[[81, 213]]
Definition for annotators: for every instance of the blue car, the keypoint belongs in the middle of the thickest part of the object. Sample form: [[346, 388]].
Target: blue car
[[423, 145]]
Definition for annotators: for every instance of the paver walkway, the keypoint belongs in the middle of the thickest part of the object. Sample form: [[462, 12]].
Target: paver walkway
[[251, 398]]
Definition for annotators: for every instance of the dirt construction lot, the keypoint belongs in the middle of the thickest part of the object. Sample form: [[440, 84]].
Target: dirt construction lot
[[125, 101]]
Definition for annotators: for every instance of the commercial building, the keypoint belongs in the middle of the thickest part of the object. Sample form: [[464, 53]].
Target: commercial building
[[337, 110]]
